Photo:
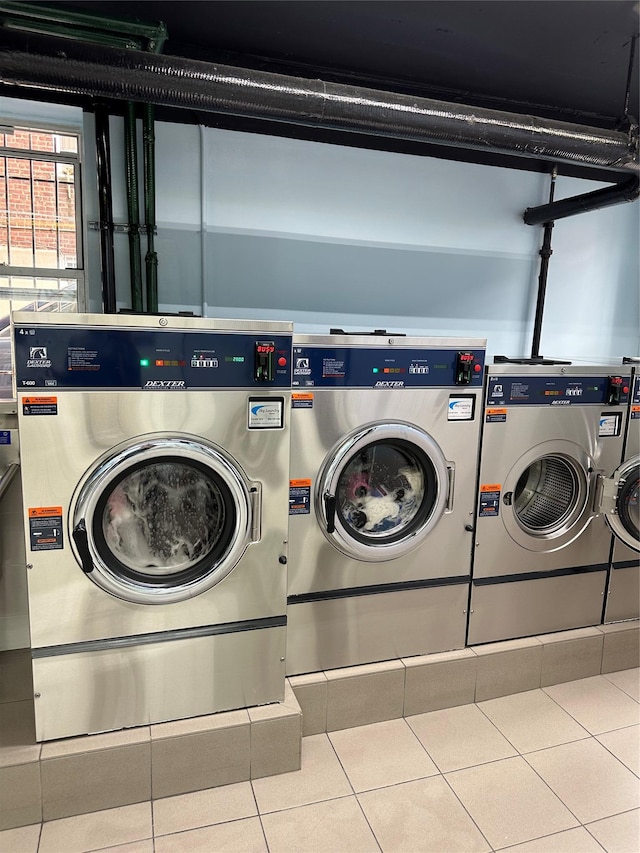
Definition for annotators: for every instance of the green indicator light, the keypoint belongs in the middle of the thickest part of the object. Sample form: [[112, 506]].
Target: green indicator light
[[376, 370], [144, 362]]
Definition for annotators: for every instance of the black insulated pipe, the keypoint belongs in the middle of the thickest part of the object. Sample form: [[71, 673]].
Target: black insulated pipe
[[100, 72], [545, 253], [607, 197], [105, 205]]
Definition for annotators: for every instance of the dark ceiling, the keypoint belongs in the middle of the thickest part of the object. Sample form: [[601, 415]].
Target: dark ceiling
[[562, 59]]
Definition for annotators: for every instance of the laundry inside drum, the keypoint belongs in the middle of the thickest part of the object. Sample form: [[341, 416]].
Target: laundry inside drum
[[163, 518], [546, 495]]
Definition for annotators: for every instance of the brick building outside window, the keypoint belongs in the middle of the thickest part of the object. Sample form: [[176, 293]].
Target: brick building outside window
[[41, 266]]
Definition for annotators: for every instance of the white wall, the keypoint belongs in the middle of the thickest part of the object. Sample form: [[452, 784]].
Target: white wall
[[326, 235]]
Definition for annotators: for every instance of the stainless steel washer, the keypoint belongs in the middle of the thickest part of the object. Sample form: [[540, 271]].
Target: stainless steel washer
[[385, 433], [155, 468], [550, 434], [620, 503]]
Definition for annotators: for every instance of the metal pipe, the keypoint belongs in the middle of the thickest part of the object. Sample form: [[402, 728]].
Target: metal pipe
[[104, 72], [545, 253], [151, 259], [105, 206], [608, 196], [133, 206]]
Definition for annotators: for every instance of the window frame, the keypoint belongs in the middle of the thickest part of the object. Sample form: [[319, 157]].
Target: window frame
[[77, 273]]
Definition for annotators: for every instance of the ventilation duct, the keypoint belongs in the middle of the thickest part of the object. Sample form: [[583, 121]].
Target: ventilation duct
[[59, 66]]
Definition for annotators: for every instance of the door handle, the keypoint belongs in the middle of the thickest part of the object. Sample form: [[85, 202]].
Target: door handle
[[81, 539], [451, 476], [330, 511]]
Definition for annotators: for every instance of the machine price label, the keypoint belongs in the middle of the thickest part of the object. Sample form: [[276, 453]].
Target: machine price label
[[39, 405], [45, 528], [302, 401], [5, 436], [495, 416], [299, 497], [490, 500]]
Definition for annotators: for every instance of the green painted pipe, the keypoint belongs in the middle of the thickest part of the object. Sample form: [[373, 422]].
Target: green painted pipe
[[133, 206], [148, 136]]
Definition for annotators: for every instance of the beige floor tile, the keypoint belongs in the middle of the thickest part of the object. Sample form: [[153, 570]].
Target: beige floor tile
[[336, 826], [423, 816], [460, 737], [320, 778], [18, 734], [625, 745], [203, 808], [575, 840], [627, 680], [99, 829], [532, 720], [588, 779], [381, 754], [239, 836], [134, 847], [24, 839], [509, 802], [618, 834], [596, 704]]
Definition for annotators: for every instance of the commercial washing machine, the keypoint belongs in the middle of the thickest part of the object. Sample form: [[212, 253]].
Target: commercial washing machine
[[551, 433], [385, 433], [155, 469], [620, 501]]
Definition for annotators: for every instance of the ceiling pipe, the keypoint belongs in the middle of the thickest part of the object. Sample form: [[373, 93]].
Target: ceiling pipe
[[61, 67], [628, 190]]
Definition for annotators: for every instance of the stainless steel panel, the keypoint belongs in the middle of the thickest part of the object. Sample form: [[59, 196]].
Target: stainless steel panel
[[314, 563], [142, 321], [60, 450], [362, 629], [110, 689], [505, 611], [391, 340], [623, 595]]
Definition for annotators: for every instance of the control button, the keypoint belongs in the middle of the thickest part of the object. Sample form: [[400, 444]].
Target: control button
[[625, 390], [477, 368], [282, 361]]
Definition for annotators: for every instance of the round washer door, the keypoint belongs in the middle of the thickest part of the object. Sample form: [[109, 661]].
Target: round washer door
[[381, 491], [622, 503], [545, 496], [161, 521]]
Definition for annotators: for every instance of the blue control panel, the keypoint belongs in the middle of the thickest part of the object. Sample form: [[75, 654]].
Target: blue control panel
[[610, 390], [54, 357], [378, 367]]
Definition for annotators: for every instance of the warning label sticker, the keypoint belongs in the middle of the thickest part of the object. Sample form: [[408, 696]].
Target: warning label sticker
[[495, 416], [302, 401], [299, 497], [39, 405], [635, 412], [5, 436], [489, 500], [45, 528]]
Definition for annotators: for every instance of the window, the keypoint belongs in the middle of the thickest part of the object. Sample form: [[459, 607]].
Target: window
[[40, 245], [41, 266]]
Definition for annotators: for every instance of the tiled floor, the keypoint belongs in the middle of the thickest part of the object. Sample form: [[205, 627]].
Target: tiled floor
[[549, 771]]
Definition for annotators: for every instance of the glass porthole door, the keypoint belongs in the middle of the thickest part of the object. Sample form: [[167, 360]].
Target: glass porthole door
[[621, 503], [162, 520], [547, 497], [382, 490]]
